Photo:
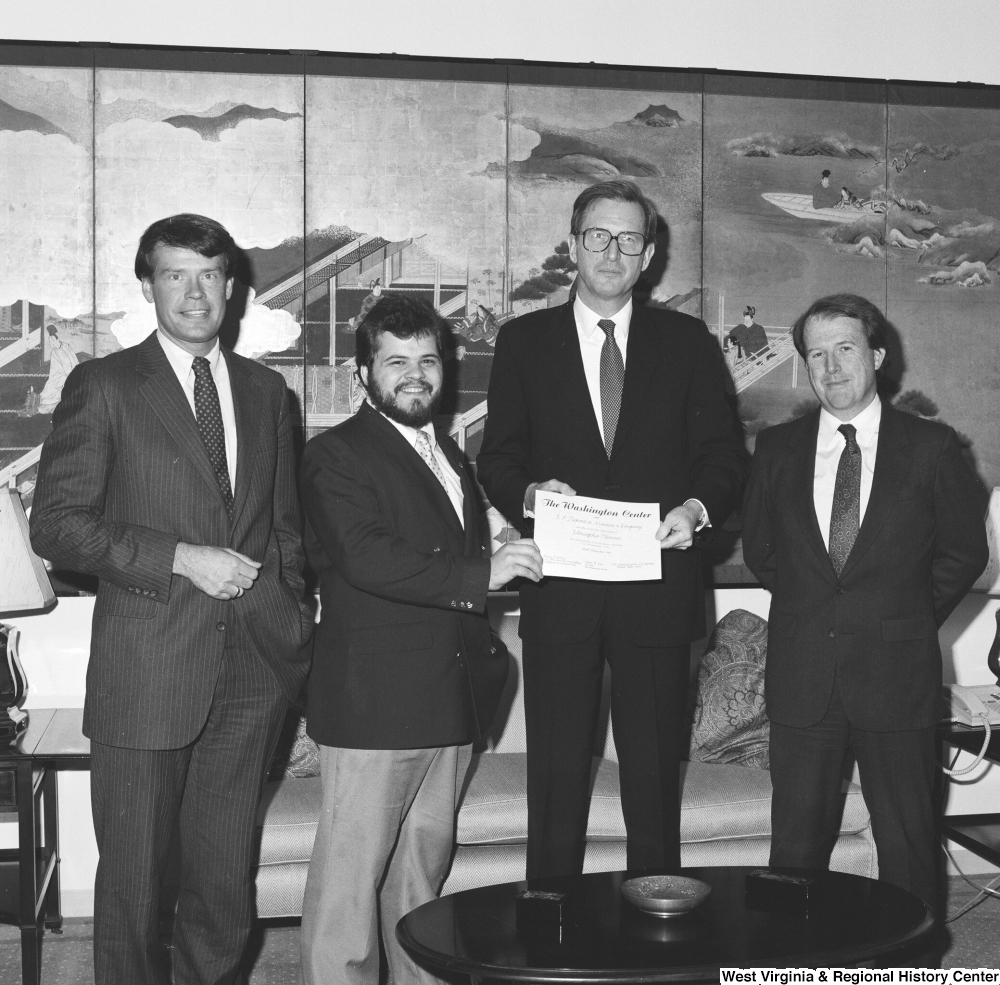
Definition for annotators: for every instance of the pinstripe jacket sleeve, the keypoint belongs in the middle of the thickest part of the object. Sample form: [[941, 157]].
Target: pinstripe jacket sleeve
[[68, 524]]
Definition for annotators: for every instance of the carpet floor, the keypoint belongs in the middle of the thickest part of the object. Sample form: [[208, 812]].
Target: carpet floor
[[273, 952]]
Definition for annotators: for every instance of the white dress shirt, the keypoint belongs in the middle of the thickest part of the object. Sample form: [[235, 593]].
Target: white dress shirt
[[591, 343], [453, 484], [830, 444], [182, 363]]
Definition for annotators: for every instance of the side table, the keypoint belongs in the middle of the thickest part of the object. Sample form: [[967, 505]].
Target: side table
[[980, 833], [29, 874]]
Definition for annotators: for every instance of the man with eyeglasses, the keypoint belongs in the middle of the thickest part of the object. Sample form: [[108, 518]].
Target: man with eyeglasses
[[605, 399]]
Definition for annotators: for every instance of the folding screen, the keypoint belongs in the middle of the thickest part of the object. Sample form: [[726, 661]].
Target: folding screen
[[342, 178]]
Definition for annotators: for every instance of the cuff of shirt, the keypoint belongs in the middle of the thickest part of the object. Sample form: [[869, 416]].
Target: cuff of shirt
[[703, 520]]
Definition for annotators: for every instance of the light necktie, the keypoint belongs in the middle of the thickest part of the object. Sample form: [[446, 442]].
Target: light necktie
[[845, 517], [612, 382], [425, 451], [209, 417]]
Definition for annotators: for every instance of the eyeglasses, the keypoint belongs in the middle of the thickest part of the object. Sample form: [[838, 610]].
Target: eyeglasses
[[596, 240]]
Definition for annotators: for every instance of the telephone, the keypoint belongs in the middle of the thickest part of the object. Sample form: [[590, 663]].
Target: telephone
[[968, 705], [975, 706]]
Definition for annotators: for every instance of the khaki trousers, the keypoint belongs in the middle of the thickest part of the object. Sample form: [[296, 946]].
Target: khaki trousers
[[383, 846]]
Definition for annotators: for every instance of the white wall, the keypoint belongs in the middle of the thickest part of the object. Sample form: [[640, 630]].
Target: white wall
[[882, 39]]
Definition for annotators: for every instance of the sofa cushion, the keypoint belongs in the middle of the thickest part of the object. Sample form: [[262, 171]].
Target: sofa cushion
[[729, 722], [295, 754], [289, 810], [722, 801], [719, 801], [495, 806]]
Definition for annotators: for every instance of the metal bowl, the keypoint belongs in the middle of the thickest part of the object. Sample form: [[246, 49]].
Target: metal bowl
[[665, 896]]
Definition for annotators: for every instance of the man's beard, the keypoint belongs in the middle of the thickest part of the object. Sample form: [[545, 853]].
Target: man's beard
[[385, 401]]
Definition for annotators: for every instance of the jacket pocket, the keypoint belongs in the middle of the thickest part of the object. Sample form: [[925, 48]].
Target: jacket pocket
[[125, 605], [908, 628], [392, 639]]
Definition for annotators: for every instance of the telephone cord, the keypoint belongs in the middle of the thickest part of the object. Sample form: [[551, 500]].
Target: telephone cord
[[979, 757]]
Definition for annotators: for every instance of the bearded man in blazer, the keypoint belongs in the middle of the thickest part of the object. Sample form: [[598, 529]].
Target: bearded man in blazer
[[866, 525], [169, 474], [405, 676], [603, 399]]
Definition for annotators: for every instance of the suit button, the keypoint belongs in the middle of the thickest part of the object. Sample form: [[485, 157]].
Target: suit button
[[153, 593], [833, 633], [453, 603], [841, 590], [436, 550], [220, 626]]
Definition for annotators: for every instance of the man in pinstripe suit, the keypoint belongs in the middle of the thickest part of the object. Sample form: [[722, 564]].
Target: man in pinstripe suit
[[169, 474]]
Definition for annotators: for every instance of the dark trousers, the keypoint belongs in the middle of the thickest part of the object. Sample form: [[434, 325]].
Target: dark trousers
[[562, 696], [899, 779], [211, 788]]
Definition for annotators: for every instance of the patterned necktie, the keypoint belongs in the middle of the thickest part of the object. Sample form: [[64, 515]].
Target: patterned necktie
[[612, 381], [425, 451], [209, 416], [845, 518]]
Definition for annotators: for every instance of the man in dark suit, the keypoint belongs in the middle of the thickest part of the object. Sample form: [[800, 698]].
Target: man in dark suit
[[607, 400], [866, 525], [169, 474], [405, 676]]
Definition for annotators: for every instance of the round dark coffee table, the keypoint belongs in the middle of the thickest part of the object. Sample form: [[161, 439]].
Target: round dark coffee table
[[605, 939]]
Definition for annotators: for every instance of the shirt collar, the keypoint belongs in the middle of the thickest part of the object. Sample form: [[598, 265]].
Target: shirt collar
[[587, 319], [406, 431], [181, 360], [867, 422]]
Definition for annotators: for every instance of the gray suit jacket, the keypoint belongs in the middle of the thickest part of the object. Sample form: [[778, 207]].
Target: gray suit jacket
[[123, 477]]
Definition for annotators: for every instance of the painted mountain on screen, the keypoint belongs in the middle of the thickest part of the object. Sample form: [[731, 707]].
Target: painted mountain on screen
[[212, 127]]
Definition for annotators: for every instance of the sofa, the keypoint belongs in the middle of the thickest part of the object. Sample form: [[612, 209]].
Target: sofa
[[726, 791]]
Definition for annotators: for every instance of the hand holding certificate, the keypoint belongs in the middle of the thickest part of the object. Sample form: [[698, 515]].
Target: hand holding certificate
[[599, 539]]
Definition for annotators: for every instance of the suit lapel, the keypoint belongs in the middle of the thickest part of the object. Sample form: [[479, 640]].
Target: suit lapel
[[892, 463], [803, 473], [470, 497], [397, 448], [568, 376], [168, 401], [248, 407], [639, 367]]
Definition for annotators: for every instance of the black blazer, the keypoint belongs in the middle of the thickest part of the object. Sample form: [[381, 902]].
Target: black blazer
[[676, 439], [921, 546], [402, 655], [123, 477]]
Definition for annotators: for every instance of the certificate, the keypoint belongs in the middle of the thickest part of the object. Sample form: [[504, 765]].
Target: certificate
[[599, 539]]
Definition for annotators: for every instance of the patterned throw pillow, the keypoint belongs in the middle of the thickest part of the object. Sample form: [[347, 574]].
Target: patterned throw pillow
[[729, 721], [296, 754]]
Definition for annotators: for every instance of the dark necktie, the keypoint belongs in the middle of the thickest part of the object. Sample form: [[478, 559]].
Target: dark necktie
[[845, 518], [612, 381], [209, 416]]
